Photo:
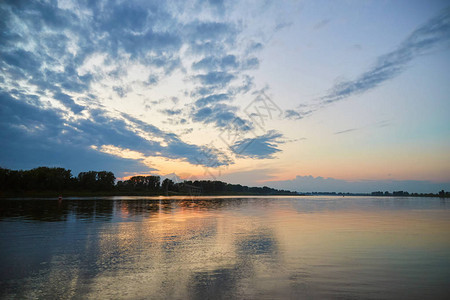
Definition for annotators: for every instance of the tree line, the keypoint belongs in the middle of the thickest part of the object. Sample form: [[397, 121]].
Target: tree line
[[441, 194], [45, 179], [54, 179]]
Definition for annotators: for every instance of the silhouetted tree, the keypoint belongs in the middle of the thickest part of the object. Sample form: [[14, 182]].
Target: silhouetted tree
[[141, 183], [105, 180], [87, 180], [166, 186], [96, 181], [60, 179]]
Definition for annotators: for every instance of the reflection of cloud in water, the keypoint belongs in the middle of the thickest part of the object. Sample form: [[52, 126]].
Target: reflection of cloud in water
[[184, 250], [236, 280], [257, 245], [218, 284], [165, 248]]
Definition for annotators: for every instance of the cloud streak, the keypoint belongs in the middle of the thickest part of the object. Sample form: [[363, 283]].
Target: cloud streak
[[387, 66], [260, 147]]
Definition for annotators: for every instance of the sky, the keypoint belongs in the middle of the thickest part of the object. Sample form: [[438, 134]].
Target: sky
[[350, 96]]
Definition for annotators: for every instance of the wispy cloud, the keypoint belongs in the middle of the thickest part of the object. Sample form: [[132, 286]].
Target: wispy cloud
[[211, 99], [346, 131], [321, 24], [383, 123], [296, 114], [219, 79], [387, 66], [171, 112], [264, 146]]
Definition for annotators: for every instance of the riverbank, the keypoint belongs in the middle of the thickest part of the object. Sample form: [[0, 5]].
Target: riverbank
[[52, 194]]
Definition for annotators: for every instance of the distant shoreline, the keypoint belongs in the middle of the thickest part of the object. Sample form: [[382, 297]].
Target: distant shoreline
[[56, 182], [51, 194], [83, 194]]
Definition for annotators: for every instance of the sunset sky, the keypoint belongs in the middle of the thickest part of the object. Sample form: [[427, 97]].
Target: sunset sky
[[349, 96]]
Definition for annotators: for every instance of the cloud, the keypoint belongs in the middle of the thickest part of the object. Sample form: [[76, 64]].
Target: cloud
[[246, 85], [292, 114], [31, 136], [386, 67], [264, 146], [211, 99], [220, 115], [176, 148], [21, 59], [321, 184], [379, 124], [120, 91], [282, 25], [213, 63], [171, 112], [250, 63], [215, 78], [389, 65], [212, 31], [207, 63], [255, 46], [68, 101], [30, 127], [227, 62], [321, 24], [346, 131], [118, 30], [66, 66]]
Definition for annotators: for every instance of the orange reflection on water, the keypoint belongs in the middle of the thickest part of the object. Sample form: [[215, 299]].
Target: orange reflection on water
[[265, 248]]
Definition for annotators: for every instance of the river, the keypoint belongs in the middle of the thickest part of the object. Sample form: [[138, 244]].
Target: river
[[225, 248]]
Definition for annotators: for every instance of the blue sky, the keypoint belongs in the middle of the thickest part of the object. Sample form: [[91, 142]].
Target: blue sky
[[279, 93]]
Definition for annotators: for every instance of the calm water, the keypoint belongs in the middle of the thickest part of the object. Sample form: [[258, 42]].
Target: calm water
[[216, 247]]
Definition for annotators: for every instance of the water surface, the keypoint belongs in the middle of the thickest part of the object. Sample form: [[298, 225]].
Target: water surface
[[225, 247]]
